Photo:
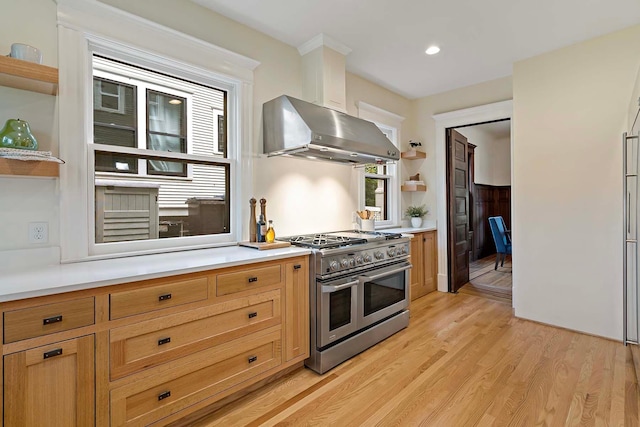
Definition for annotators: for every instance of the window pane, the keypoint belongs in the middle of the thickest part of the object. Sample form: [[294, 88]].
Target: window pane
[[114, 104], [128, 208], [103, 134], [376, 194], [108, 162], [166, 113], [163, 167], [375, 169]]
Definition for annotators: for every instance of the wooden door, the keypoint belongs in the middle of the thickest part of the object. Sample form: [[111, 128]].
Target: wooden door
[[458, 209], [52, 385]]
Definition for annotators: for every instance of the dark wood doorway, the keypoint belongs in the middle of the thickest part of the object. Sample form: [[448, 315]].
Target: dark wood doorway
[[457, 209]]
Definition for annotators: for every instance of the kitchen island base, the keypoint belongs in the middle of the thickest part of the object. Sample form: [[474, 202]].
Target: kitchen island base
[[158, 350]]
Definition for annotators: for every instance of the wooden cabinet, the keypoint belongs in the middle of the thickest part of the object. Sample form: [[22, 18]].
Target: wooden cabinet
[[164, 295], [424, 257], [47, 319], [51, 385], [144, 345], [296, 340], [154, 351], [201, 375]]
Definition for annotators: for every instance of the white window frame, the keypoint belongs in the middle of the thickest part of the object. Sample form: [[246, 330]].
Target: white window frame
[[392, 123], [86, 27]]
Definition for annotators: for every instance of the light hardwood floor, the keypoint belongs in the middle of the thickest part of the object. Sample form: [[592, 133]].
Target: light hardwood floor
[[464, 360]]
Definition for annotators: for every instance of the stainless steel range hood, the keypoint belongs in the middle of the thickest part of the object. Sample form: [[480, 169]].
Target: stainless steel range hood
[[299, 128]]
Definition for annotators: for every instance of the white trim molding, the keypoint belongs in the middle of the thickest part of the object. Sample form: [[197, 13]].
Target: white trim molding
[[323, 40], [98, 18], [467, 116]]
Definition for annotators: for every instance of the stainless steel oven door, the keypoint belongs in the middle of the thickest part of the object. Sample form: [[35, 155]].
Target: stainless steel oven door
[[382, 293], [337, 309]]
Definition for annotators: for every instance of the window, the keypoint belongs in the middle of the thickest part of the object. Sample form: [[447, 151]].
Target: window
[[380, 187], [150, 168], [152, 114], [376, 191]]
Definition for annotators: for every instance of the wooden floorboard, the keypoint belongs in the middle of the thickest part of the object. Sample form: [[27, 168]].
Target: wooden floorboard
[[464, 360]]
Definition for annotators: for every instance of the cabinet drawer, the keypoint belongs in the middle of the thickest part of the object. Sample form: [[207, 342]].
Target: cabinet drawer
[[138, 301], [48, 319], [150, 343], [165, 393], [252, 278]]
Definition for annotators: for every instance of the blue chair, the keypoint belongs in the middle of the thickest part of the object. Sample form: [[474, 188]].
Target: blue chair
[[501, 238]]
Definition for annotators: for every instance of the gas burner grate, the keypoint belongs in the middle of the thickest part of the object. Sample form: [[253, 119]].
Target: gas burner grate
[[325, 240]]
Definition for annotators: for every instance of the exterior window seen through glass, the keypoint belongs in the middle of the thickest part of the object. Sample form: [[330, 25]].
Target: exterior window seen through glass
[[160, 156]]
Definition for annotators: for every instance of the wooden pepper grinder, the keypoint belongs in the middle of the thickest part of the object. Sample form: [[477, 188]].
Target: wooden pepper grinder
[[263, 209], [252, 221]]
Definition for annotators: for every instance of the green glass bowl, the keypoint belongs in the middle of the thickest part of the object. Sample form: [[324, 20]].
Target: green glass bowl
[[17, 134]]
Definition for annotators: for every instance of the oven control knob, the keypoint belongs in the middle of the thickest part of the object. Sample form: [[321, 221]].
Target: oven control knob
[[391, 252], [378, 255], [333, 265], [344, 262], [359, 259], [352, 262], [367, 258]]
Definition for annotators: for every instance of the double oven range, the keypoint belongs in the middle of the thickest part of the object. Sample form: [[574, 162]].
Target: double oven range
[[359, 292]]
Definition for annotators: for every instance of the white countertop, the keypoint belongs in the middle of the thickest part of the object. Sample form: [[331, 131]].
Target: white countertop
[[409, 230], [54, 279]]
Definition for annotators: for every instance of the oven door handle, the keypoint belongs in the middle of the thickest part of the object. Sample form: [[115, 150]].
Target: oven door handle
[[328, 289], [387, 273]]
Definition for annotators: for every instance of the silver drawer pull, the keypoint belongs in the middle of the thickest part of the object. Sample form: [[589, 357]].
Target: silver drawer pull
[[164, 395], [253, 279], [253, 314], [253, 359], [50, 320], [164, 297], [164, 341]]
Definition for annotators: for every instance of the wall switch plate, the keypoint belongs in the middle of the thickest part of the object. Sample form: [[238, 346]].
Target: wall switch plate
[[38, 232]]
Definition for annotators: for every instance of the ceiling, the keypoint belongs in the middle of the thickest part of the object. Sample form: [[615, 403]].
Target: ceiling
[[480, 40]]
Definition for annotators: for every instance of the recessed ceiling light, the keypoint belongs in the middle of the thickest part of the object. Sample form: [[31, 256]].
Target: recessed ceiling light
[[432, 50]]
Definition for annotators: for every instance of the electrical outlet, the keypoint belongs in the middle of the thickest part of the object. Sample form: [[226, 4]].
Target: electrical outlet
[[38, 232]]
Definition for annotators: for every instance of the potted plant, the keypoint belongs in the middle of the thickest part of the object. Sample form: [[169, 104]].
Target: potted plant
[[416, 213]]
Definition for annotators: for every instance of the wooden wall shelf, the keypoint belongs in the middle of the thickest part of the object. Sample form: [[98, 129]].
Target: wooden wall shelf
[[29, 168], [27, 75], [413, 187], [413, 154]]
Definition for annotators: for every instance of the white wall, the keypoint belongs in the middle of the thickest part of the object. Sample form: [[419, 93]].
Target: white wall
[[492, 156], [570, 108], [24, 200]]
